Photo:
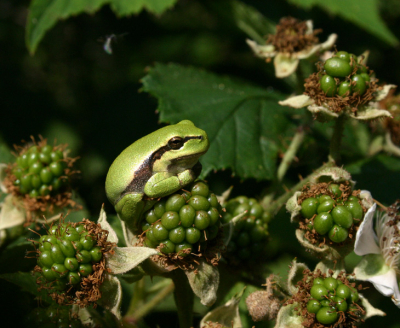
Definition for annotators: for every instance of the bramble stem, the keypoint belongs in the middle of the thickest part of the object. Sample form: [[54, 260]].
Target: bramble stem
[[290, 154], [184, 299], [138, 298], [143, 310], [336, 141]]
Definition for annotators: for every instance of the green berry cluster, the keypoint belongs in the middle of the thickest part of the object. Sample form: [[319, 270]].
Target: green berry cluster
[[67, 254], [250, 234], [70, 258], [40, 170], [52, 317], [330, 215], [329, 296], [182, 220], [341, 78]]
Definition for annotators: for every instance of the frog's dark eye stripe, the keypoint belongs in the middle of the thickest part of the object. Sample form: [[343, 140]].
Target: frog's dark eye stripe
[[145, 171], [176, 142]]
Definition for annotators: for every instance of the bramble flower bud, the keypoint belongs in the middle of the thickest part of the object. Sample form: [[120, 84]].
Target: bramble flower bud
[[262, 304]]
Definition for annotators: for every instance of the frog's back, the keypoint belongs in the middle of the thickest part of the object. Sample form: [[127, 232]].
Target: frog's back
[[124, 169]]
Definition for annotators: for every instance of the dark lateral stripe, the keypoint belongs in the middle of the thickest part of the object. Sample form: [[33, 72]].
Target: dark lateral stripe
[[145, 171]]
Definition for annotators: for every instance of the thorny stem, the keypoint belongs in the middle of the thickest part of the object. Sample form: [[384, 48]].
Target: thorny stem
[[147, 307], [290, 154], [275, 206], [336, 141]]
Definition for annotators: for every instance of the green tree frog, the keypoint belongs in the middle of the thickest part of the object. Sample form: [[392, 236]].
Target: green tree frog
[[153, 167]]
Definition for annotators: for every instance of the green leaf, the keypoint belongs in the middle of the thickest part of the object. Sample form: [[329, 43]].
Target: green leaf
[[8, 256], [44, 14], [5, 153], [380, 174], [129, 7], [244, 123], [27, 282], [364, 13], [246, 18]]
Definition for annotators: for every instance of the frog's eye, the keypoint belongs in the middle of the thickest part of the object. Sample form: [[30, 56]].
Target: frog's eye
[[175, 143]]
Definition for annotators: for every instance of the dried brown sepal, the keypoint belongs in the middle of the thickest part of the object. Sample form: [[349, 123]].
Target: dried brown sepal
[[393, 212], [210, 324], [350, 319], [291, 37], [338, 104], [392, 104], [37, 207], [211, 254], [87, 292], [313, 190]]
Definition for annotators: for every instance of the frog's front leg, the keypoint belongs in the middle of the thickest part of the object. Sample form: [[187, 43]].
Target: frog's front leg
[[163, 184], [129, 210], [130, 206]]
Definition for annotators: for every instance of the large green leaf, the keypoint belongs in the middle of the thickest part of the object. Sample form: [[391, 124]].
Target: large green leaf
[[129, 7], [246, 18], [244, 123], [380, 175], [44, 14], [27, 282], [364, 13], [5, 153]]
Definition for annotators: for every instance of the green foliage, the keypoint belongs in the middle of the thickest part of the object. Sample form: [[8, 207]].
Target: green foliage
[[363, 13], [44, 14], [130, 7], [27, 282], [246, 18], [253, 124], [93, 95]]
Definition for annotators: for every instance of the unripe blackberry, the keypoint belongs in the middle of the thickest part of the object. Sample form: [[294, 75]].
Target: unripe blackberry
[[343, 76], [330, 297], [330, 211], [325, 300], [183, 222], [41, 177], [250, 236], [41, 170], [342, 82], [53, 316], [71, 261]]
